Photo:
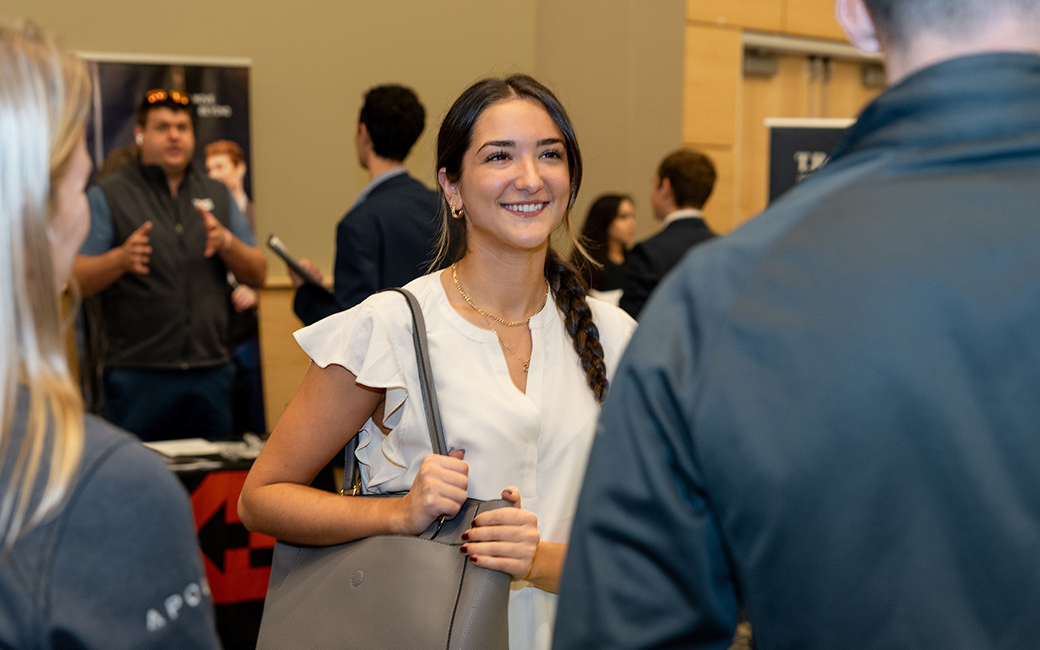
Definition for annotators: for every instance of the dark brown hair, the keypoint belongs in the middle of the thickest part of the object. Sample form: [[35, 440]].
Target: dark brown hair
[[395, 119], [691, 175], [594, 238], [568, 290]]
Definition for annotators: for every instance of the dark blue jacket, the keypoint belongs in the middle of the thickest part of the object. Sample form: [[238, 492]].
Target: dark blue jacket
[[830, 417], [386, 240], [650, 260]]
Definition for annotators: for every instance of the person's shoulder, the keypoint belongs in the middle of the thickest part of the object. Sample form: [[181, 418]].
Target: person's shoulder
[[662, 238], [206, 185], [407, 180], [128, 175], [126, 550], [689, 225], [710, 275], [98, 202], [101, 438], [371, 339], [402, 188], [424, 288], [386, 310], [118, 456], [614, 327], [610, 317]]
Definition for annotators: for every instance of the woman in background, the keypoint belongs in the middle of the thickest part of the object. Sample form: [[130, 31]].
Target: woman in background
[[521, 361], [608, 233], [98, 547]]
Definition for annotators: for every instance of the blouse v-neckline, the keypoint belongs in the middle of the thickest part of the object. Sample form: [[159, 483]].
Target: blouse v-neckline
[[538, 322]]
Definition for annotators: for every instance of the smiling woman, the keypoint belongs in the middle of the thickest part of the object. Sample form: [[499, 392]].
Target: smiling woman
[[519, 379], [517, 186], [514, 143]]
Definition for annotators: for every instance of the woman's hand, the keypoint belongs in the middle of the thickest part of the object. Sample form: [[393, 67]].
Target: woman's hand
[[439, 489], [505, 539]]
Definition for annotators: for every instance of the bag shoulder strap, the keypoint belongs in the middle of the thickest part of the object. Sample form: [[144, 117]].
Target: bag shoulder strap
[[431, 407]]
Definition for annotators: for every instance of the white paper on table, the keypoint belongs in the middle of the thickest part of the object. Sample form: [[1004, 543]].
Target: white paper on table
[[186, 447]]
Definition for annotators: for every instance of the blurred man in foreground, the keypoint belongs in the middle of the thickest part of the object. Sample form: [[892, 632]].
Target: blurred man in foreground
[[829, 416]]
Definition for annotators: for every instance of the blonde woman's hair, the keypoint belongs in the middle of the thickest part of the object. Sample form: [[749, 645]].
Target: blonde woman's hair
[[44, 99]]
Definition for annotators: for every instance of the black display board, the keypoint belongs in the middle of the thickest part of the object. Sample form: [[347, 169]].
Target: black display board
[[798, 147]]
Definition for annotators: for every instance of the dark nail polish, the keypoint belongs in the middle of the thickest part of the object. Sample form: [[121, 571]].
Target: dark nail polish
[[463, 549], [473, 559], [465, 537]]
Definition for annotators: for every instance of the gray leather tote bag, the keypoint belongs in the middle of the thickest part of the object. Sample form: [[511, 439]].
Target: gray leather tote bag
[[389, 591]]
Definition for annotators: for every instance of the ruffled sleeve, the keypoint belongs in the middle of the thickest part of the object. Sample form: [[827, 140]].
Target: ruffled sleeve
[[368, 340], [359, 340]]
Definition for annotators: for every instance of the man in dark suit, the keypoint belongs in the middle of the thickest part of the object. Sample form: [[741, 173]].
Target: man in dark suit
[[683, 183], [388, 237]]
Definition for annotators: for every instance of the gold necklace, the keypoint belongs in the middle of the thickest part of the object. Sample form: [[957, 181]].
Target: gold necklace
[[526, 364], [489, 317], [486, 315]]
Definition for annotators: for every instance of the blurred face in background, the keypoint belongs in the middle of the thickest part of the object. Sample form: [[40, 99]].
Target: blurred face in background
[[623, 228], [167, 139], [220, 168], [660, 198], [70, 220]]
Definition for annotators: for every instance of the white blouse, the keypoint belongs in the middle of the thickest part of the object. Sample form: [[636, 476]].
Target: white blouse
[[537, 441]]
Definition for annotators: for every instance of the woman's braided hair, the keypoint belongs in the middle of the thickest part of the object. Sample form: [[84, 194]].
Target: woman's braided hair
[[569, 292], [567, 287]]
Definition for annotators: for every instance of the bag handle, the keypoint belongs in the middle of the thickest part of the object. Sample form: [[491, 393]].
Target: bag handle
[[429, 395]]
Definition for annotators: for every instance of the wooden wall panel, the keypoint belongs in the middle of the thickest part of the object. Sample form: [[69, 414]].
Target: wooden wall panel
[[785, 95], [283, 363], [811, 18], [797, 90], [763, 15], [847, 95], [712, 89], [719, 212]]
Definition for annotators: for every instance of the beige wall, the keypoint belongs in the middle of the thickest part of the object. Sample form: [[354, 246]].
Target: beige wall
[[616, 64], [723, 111], [312, 60]]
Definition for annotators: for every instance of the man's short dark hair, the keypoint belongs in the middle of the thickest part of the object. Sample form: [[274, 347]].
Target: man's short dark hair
[[394, 118], [175, 100], [691, 175], [899, 20]]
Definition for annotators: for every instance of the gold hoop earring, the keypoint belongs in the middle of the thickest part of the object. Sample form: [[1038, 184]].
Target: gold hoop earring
[[457, 212]]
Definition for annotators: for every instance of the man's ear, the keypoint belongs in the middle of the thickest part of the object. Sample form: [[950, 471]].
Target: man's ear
[[858, 25], [665, 186]]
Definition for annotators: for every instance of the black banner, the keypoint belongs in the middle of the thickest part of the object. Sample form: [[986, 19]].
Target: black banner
[[219, 91], [798, 147]]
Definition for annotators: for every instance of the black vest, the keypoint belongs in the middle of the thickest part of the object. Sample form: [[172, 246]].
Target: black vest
[[176, 316]]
